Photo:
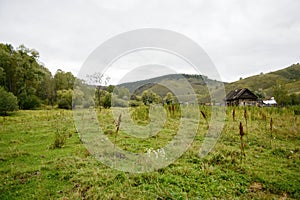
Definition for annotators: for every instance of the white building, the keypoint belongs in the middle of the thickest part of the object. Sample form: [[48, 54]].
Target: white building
[[270, 102]]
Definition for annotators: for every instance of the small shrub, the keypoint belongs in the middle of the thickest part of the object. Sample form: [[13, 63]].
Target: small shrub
[[107, 100], [60, 140], [88, 103], [8, 102], [140, 113], [134, 103], [64, 99], [116, 102], [61, 133], [280, 152], [64, 104], [297, 111]]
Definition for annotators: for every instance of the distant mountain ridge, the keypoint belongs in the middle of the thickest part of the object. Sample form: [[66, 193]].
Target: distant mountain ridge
[[289, 76], [148, 83]]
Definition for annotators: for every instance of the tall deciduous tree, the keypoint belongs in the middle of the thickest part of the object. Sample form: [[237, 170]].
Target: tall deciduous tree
[[98, 79], [28, 77], [63, 80], [45, 90]]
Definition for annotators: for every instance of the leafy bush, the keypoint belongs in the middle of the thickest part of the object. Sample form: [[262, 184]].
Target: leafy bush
[[107, 100], [61, 133], [116, 102], [77, 97], [8, 102], [149, 97], [297, 110], [29, 102], [64, 104], [134, 103], [88, 103], [64, 99], [59, 141], [140, 113], [169, 98]]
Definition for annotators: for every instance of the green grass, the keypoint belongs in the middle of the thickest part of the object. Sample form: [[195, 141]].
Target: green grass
[[31, 168]]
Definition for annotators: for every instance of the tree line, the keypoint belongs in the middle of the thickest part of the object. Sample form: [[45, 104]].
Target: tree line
[[27, 79], [25, 83]]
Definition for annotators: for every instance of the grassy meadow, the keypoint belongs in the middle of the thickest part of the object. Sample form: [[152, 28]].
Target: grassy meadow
[[42, 157]]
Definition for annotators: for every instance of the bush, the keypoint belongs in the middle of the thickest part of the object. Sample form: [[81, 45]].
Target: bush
[[8, 102], [297, 110], [29, 102], [64, 99], [149, 97], [88, 103], [134, 103], [119, 103], [107, 100], [64, 104], [59, 141]]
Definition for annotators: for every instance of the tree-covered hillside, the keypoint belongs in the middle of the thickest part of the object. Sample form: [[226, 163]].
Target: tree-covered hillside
[[157, 85], [283, 84], [286, 81]]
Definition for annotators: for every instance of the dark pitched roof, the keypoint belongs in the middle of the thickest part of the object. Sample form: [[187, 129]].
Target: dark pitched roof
[[243, 93]]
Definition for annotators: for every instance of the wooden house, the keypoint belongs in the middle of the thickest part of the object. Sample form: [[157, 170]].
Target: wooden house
[[241, 97]]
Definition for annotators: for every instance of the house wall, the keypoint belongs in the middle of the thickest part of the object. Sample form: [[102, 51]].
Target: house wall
[[247, 102], [242, 102]]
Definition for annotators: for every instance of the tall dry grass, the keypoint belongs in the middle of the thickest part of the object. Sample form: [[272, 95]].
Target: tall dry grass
[[242, 133], [205, 118]]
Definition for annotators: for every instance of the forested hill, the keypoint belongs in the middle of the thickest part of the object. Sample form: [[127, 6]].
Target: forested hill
[[139, 86], [284, 84], [265, 83], [289, 78], [178, 81]]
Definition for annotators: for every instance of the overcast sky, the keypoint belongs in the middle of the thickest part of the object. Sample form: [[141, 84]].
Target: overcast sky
[[242, 38]]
